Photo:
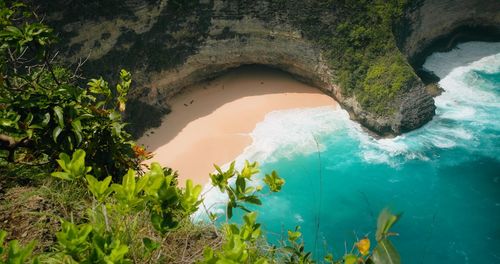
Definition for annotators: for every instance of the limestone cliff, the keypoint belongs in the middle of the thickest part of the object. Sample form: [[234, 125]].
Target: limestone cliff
[[428, 21], [168, 45]]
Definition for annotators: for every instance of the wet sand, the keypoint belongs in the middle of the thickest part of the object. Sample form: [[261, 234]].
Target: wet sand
[[210, 122]]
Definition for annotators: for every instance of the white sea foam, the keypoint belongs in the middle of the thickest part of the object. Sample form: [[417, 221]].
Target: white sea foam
[[298, 218], [442, 63], [462, 101], [282, 134], [286, 134], [373, 156], [441, 141]]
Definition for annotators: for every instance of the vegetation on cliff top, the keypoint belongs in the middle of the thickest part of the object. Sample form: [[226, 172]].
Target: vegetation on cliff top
[[360, 46], [70, 164], [355, 35]]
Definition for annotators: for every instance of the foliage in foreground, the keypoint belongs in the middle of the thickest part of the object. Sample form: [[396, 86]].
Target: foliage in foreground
[[43, 110], [108, 234]]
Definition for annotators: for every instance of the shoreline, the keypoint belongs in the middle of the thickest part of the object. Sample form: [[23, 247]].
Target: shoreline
[[211, 122]]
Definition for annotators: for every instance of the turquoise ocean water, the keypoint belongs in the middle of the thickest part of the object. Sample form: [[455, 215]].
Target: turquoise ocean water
[[444, 177]]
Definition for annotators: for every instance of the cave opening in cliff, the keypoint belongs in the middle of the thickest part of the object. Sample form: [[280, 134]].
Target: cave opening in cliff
[[466, 32]]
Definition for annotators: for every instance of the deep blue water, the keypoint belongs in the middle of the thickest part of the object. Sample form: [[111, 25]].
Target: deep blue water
[[444, 177]]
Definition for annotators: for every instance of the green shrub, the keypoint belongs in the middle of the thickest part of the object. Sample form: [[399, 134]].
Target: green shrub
[[43, 110], [360, 46], [384, 80], [14, 253]]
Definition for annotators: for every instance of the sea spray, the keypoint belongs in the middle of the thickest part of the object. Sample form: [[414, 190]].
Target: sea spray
[[281, 135]]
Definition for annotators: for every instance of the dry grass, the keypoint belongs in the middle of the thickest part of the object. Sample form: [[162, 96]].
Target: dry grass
[[33, 213], [27, 216], [186, 244]]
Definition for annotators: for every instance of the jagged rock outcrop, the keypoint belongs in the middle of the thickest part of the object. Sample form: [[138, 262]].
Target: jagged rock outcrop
[[168, 45]]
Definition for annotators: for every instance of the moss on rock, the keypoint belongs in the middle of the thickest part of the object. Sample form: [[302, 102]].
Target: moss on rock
[[387, 77]]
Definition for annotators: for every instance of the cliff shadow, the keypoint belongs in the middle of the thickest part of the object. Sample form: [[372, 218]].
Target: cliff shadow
[[206, 97]]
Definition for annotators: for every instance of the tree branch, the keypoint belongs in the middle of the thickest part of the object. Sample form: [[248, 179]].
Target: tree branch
[[10, 144]]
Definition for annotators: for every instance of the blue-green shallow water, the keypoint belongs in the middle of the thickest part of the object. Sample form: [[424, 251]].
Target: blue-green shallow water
[[444, 177]]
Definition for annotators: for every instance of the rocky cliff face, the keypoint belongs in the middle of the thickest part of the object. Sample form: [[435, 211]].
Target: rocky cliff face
[[168, 46], [428, 21]]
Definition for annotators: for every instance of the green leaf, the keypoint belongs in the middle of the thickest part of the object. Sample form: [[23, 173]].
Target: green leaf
[[114, 116], [85, 116], [14, 31], [209, 256], [141, 183], [350, 259], [249, 169], [3, 235], [385, 253], [64, 161], [58, 111], [385, 221], [46, 119], [294, 235], [69, 141], [168, 194], [163, 222], [125, 75], [99, 86], [250, 218], [78, 163], [329, 258], [17, 253], [29, 133], [189, 198], [28, 119], [100, 189], [73, 239], [274, 181], [122, 103], [262, 261], [218, 169], [61, 175], [78, 136], [150, 245], [127, 193], [10, 119], [56, 132], [220, 179], [229, 210], [117, 254], [6, 122], [77, 125], [252, 199], [128, 182], [72, 169]]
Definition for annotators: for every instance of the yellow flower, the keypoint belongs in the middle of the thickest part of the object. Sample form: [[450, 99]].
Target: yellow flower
[[363, 246]]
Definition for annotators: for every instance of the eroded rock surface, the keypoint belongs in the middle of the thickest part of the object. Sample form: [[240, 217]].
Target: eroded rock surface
[[168, 46]]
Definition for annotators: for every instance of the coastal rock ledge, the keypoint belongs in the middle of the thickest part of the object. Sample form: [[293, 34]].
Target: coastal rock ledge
[[168, 46]]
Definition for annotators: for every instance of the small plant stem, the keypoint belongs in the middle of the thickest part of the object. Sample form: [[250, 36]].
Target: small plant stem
[[105, 213]]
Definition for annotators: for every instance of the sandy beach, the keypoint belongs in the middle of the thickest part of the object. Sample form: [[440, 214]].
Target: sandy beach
[[210, 122]]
